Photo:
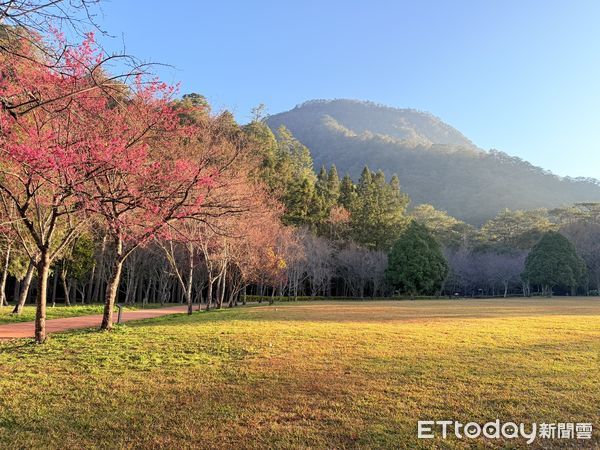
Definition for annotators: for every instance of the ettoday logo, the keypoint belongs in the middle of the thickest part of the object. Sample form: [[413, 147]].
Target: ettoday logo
[[429, 429]]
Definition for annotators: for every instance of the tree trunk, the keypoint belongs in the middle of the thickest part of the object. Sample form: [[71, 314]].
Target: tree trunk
[[113, 287], [88, 298], [231, 302], [65, 286], [199, 295], [43, 268], [130, 281], [97, 294], [190, 279], [24, 289], [3, 301], [16, 290], [209, 290], [162, 294], [140, 290], [223, 283], [147, 293], [219, 287], [54, 286]]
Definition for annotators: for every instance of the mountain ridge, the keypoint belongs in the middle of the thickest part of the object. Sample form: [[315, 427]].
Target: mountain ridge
[[436, 163]]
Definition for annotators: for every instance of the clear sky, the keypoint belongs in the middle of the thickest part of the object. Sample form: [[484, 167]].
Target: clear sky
[[519, 76]]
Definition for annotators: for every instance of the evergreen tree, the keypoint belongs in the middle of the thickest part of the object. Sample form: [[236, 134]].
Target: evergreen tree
[[321, 183], [193, 108], [333, 186], [327, 190], [287, 169], [364, 182], [416, 264], [552, 262], [264, 143], [296, 154], [347, 192], [395, 183], [378, 211], [299, 198]]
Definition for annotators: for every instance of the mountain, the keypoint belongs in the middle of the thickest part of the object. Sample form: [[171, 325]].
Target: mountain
[[435, 162]]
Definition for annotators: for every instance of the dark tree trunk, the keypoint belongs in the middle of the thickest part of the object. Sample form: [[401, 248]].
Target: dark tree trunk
[[24, 289], [3, 301], [97, 293], [222, 284], [209, 292], [147, 293], [88, 298], [65, 286], [113, 287], [190, 278], [54, 286], [43, 268]]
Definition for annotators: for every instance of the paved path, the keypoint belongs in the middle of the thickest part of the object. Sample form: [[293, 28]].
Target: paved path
[[26, 329]]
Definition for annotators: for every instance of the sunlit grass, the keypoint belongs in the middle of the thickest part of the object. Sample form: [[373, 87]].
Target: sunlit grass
[[324, 375]]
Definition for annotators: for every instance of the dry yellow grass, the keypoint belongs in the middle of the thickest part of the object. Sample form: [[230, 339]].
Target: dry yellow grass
[[307, 375]]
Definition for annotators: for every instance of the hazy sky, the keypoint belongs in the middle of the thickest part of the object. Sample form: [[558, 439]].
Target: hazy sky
[[519, 76]]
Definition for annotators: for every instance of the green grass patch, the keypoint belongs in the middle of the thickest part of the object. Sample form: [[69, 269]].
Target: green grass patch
[[60, 311], [306, 375]]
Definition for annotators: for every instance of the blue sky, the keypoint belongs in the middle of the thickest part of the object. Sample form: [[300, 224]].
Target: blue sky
[[519, 76]]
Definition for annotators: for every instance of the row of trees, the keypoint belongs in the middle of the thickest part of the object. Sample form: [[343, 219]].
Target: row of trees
[[96, 166], [491, 260], [112, 189]]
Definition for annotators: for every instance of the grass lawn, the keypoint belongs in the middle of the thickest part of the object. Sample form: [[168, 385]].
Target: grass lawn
[[318, 375], [59, 311]]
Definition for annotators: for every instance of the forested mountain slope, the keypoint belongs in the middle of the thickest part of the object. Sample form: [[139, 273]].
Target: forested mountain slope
[[435, 162]]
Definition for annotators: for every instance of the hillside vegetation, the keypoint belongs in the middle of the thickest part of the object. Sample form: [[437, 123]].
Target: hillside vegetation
[[435, 162]]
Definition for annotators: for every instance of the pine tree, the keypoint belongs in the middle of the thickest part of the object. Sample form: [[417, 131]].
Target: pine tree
[[321, 183], [264, 143], [333, 186], [378, 211], [347, 192], [287, 169], [364, 182], [299, 196]]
